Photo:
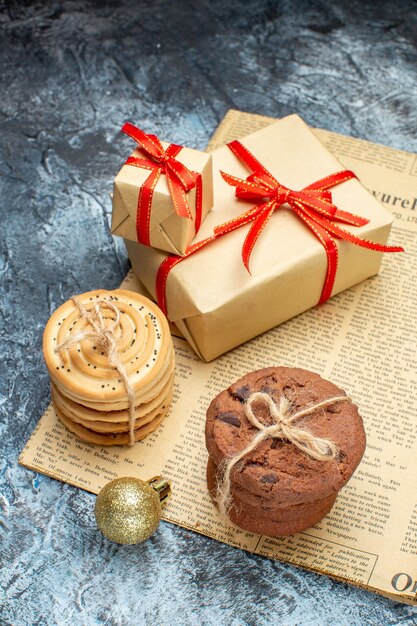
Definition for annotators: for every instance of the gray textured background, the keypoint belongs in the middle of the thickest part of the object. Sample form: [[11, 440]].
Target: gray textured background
[[72, 72]]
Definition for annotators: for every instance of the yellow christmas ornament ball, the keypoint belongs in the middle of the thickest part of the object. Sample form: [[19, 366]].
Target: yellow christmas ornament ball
[[128, 510]]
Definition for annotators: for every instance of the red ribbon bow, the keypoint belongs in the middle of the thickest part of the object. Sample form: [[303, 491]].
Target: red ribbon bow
[[313, 205], [179, 178]]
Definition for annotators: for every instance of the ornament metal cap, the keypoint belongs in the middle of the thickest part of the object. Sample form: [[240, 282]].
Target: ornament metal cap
[[161, 486], [128, 510]]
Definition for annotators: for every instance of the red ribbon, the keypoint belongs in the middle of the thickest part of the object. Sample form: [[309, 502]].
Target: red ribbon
[[179, 178], [313, 205]]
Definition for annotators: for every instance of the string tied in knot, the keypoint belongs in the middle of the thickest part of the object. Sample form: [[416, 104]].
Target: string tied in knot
[[105, 336], [281, 426]]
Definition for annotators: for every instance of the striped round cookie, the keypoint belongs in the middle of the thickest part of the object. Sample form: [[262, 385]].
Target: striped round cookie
[[144, 347], [74, 412], [110, 439], [111, 360], [87, 414], [141, 395]]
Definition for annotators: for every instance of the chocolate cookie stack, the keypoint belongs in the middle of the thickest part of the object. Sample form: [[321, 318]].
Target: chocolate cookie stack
[[111, 361], [277, 488]]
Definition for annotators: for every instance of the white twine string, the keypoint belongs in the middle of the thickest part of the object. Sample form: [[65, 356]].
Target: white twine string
[[104, 336], [282, 428]]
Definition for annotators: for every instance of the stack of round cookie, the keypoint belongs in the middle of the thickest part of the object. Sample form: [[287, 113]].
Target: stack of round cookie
[[89, 393], [276, 489]]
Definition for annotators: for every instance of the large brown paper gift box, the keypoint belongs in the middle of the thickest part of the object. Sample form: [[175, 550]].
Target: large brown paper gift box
[[168, 231], [210, 296]]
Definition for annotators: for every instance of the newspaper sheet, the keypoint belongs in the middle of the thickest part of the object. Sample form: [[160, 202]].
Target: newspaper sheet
[[364, 340]]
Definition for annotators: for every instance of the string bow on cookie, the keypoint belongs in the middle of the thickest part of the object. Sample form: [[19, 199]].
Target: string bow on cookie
[[104, 335], [282, 427]]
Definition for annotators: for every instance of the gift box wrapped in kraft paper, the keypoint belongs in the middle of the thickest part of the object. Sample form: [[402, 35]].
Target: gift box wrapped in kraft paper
[[294, 262], [162, 193]]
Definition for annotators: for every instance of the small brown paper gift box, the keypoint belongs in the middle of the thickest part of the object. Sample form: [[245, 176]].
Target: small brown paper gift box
[[211, 297], [163, 227]]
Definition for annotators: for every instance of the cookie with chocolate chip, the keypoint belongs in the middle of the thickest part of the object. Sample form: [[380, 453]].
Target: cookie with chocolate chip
[[261, 519], [277, 474]]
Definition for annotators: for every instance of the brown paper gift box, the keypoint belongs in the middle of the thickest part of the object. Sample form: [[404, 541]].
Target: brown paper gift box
[[168, 231], [212, 299]]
